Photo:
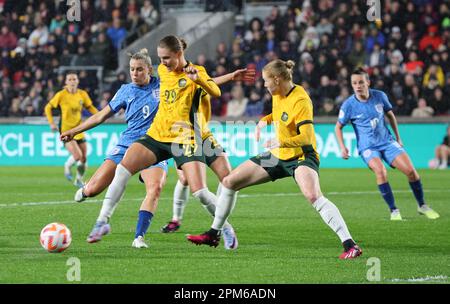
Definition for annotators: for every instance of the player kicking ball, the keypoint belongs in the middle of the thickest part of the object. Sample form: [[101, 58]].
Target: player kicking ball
[[293, 153], [366, 110]]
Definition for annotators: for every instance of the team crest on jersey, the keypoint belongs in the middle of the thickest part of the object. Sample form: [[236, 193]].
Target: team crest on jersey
[[284, 116], [379, 108], [81, 102], [155, 93], [182, 83]]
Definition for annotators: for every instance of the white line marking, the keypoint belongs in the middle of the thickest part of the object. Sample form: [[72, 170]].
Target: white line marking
[[240, 196], [425, 279]]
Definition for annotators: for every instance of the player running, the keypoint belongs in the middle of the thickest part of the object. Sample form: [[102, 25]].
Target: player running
[[71, 100], [216, 159], [140, 100], [366, 110], [292, 153]]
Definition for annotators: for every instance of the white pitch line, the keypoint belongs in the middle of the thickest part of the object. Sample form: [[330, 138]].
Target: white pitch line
[[425, 279], [240, 196]]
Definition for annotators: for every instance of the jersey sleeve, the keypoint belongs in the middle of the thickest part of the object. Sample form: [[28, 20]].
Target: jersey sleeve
[[344, 114], [387, 106], [54, 102], [119, 100]]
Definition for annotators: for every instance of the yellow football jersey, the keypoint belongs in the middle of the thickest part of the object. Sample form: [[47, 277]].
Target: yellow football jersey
[[289, 113], [71, 106], [179, 107], [205, 115]]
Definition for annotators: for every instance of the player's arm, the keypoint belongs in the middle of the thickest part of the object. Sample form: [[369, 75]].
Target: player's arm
[[262, 123], [88, 124], [88, 104], [53, 103], [305, 132], [203, 80], [393, 121], [304, 128], [247, 75], [340, 138]]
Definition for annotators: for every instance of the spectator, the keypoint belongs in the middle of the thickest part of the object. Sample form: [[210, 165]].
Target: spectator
[[120, 80], [439, 103], [434, 76], [39, 36], [422, 110], [100, 49], [401, 108], [432, 39], [238, 103], [8, 40], [117, 34], [150, 15], [357, 56], [255, 105]]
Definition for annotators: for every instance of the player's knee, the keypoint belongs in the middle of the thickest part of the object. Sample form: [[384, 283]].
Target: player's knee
[[412, 174], [229, 182], [183, 180], [381, 173], [311, 196], [90, 189], [154, 189]]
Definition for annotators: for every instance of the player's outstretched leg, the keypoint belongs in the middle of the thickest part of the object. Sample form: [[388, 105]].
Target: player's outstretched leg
[[403, 163], [308, 181]]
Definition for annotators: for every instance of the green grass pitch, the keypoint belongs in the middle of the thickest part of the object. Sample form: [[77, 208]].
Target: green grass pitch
[[282, 239]]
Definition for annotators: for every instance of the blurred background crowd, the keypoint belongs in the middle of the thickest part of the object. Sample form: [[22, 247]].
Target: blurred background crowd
[[406, 52]]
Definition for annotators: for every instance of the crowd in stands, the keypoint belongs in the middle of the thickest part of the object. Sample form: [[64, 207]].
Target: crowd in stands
[[37, 37], [406, 52]]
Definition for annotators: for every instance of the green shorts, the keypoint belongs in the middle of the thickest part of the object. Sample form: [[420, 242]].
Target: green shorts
[[212, 149], [180, 153], [277, 168]]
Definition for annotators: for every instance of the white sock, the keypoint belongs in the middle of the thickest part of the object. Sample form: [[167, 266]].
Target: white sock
[[114, 193], [209, 202], [219, 189], [225, 205], [332, 217], [81, 168], [70, 161], [180, 198]]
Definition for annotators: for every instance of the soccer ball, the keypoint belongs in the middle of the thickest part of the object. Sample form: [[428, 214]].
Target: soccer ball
[[55, 237]]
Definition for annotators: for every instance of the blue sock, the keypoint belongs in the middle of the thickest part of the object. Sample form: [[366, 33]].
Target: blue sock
[[388, 196], [417, 189], [145, 218]]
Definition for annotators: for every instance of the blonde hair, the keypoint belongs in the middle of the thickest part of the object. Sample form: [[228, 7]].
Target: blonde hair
[[280, 68], [142, 54]]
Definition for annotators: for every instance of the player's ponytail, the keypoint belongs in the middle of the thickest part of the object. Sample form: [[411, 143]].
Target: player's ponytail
[[280, 68], [143, 55]]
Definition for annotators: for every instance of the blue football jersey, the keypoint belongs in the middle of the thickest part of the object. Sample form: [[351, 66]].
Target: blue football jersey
[[140, 104], [367, 119]]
